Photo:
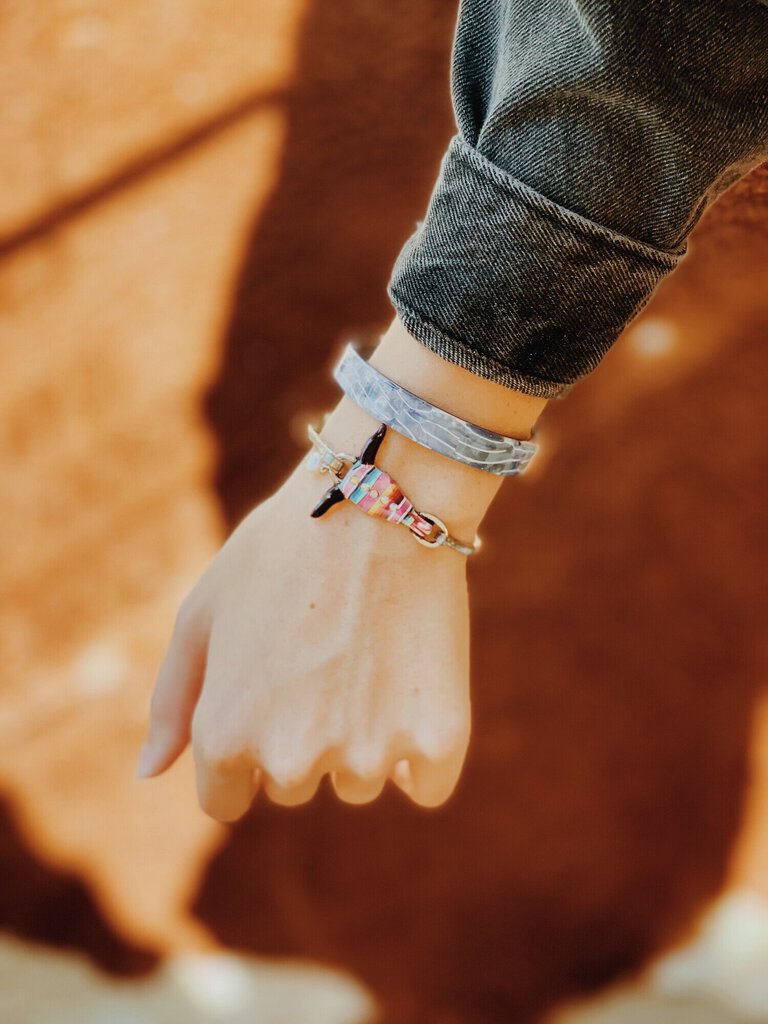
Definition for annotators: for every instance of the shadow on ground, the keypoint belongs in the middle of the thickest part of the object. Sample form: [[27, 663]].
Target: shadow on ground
[[41, 904], [368, 119]]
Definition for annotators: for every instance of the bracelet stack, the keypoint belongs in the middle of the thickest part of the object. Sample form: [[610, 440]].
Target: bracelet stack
[[357, 477]]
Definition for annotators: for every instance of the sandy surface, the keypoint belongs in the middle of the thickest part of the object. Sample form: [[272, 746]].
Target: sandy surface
[[197, 208]]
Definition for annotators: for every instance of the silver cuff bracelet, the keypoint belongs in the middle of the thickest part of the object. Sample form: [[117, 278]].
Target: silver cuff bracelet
[[427, 424]]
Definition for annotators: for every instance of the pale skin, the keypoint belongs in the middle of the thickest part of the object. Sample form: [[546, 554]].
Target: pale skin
[[337, 645]]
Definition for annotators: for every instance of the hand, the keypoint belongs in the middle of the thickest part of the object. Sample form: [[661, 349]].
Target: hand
[[337, 645], [309, 646]]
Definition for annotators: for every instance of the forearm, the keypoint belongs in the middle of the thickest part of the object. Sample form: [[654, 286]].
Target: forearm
[[506, 294], [591, 136]]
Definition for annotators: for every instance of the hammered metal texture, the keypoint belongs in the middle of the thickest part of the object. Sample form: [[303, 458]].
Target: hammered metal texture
[[427, 424]]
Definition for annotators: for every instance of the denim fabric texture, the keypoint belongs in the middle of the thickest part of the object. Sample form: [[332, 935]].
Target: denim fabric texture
[[591, 136]]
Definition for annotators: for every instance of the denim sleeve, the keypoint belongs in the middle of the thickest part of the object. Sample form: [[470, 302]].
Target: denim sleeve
[[592, 134]]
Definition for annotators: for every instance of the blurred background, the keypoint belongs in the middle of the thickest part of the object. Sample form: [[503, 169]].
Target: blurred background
[[200, 202]]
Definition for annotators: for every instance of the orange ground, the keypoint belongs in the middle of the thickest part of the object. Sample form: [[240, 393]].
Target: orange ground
[[197, 207]]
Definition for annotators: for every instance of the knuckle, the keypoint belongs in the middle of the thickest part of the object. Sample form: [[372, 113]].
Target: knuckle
[[224, 764], [444, 742], [286, 796], [365, 763], [217, 753], [223, 761], [290, 765], [286, 775], [358, 791], [205, 758]]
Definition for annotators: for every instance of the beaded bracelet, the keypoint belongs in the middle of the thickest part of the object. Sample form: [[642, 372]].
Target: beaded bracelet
[[357, 478]]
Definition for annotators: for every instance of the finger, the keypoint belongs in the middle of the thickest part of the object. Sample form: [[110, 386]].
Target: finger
[[177, 688], [293, 794], [354, 789], [225, 791], [429, 781]]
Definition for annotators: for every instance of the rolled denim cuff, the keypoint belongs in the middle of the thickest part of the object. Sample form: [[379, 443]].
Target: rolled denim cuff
[[513, 287]]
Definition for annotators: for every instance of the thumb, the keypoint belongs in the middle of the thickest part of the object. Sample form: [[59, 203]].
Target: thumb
[[178, 685]]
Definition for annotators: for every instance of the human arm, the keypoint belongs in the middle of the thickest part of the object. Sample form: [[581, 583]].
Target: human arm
[[339, 644]]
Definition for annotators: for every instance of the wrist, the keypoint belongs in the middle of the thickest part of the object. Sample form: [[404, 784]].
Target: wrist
[[456, 492], [463, 492], [409, 363], [371, 540], [435, 484]]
